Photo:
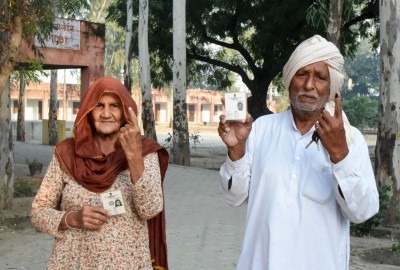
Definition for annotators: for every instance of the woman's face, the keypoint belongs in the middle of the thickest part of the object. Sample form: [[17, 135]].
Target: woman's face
[[107, 116]]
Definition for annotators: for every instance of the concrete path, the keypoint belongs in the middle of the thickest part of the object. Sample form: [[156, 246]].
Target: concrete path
[[203, 232]]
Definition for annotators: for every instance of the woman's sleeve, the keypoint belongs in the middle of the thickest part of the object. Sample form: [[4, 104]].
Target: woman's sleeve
[[147, 191], [44, 214]]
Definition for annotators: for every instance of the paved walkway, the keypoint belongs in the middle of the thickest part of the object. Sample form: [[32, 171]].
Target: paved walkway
[[203, 232]]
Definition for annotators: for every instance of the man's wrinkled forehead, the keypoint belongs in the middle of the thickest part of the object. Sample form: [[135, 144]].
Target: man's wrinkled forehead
[[319, 66]]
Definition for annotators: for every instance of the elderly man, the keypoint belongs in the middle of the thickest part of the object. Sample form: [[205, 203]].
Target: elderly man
[[305, 172]]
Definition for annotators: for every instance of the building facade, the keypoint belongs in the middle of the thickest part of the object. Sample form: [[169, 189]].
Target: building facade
[[203, 106]]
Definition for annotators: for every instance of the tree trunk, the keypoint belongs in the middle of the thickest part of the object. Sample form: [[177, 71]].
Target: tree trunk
[[6, 154], [149, 128], [180, 130], [9, 54], [65, 97], [128, 46], [21, 108], [335, 21], [387, 151], [53, 134], [257, 103]]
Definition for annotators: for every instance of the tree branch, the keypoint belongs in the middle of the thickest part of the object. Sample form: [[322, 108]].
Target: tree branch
[[192, 54], [237, 47], [369, 12]]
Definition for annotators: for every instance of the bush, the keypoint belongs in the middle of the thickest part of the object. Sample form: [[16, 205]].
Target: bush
[[362, 112], [195, 138]]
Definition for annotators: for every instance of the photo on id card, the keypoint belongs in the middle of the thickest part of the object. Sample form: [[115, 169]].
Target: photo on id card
[[113, 202]]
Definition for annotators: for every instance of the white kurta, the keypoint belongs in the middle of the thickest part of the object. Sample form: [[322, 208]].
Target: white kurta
[[296, 217]]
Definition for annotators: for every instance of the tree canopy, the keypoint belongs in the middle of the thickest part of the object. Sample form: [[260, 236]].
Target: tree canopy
[[253, 39], [363, 71], [362, 112], [38, 15]]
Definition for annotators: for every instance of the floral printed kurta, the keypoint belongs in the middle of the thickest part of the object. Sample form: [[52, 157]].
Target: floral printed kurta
[[122, 242]]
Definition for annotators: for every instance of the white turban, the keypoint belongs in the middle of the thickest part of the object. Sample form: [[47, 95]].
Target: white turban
[[318, 49]]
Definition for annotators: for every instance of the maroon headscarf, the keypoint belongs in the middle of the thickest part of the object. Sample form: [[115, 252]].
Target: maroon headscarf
[[95, 171]]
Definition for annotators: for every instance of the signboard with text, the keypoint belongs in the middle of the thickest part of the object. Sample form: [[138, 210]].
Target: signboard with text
[[65, 35]]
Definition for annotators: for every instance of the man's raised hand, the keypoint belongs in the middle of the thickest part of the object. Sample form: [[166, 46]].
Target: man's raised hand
[[234, 135]]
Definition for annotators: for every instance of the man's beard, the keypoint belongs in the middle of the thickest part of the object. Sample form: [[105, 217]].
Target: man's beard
[[307, 107]]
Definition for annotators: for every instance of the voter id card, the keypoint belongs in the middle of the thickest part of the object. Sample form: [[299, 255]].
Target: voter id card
[[113, 202], [236, 106]]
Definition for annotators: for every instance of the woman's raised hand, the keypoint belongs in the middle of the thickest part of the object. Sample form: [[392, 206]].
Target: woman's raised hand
[[131, 141], [130, 137]]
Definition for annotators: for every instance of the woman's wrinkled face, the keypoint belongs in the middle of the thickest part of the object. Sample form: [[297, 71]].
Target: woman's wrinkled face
[[309, 87], [107, 116]]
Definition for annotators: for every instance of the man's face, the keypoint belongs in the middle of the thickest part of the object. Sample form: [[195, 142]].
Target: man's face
[[309, 87]]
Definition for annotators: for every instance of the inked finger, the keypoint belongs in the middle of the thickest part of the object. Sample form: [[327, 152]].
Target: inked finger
[[338, 106], [222, 117], [133, 117]]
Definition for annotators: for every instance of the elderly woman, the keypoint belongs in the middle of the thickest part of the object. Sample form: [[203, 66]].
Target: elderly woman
[[106, 160], [305, 172]]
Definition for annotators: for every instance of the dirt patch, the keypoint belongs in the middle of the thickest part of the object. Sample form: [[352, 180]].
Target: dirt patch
[[17, 223], [362, 250], [207, 162], [382, 256], [18, 217], [208, 158]]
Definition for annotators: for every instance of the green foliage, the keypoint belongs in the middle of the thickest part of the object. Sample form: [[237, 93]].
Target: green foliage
[[364, 72], [234, 36], [360, 19], [396, 249], [5, 191], [362, 112], [252, 39], [32, 73], [24, 189], [282, 101], [115, 37], [318, 14], [364, 228], [194, 137], [37, 17]]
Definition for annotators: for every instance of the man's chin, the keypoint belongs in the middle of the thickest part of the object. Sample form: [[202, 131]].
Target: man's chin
[[307, 108]]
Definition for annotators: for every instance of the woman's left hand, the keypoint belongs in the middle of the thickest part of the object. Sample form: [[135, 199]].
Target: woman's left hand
[[131, 141], [130, 137]]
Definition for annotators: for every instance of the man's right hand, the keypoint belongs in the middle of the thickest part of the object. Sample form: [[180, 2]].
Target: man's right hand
[[234, 135]]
